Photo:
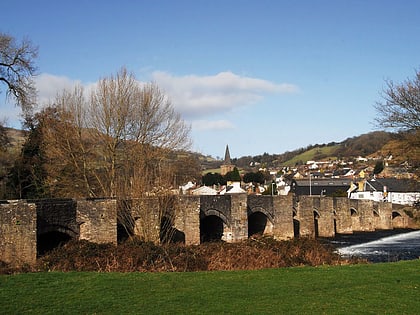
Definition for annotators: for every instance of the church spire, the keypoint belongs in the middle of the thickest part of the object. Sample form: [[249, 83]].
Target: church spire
[[227, 165], [227, 157]]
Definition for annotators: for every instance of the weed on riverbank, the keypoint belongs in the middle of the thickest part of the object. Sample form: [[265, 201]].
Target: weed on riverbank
[[135, 255]]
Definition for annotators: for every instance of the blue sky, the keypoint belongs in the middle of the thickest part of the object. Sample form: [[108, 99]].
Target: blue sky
[[260, 76]]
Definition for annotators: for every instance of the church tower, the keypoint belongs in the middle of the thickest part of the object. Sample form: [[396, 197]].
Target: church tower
[[227, 165]]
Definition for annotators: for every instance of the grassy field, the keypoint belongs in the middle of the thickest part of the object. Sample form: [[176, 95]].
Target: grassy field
[[328, 152], [392, 288]]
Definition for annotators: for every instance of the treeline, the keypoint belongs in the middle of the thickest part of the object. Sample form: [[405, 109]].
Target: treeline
[[365, 144], [362, 145]]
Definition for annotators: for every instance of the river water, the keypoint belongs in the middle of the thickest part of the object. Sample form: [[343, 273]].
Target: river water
[[380, 246]]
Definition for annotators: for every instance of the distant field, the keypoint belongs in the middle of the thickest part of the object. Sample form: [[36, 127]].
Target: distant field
[[392, 288], [313, 154]]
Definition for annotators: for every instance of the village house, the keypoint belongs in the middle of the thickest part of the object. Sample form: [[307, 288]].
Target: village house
[[398, 191], [320, 186]]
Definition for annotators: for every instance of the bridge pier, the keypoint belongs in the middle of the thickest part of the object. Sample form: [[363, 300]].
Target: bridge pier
[[326, 227], [187, 218], [305, 216], [283, 217], [18, 233], [383, 215], [343, 215]]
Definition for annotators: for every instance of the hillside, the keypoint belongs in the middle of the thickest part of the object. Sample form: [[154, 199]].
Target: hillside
[[378, 143]]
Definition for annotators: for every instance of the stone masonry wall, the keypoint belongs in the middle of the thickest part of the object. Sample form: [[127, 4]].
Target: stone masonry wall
[[18, 233], [342, 215], [239, 217], [384, 210], [187, 218], [326, 217], [283, 217], [305, 215], [98, 220]]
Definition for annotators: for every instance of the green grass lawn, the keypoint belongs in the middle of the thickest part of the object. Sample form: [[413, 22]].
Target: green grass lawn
[[391, 288]]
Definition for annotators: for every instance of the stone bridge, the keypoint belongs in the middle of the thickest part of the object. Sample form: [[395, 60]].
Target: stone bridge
[[29, 228]]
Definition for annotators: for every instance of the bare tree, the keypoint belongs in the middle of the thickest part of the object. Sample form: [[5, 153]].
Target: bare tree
[[68, 147], [17, 69], [400, 110], [114, 144], [136, 127]]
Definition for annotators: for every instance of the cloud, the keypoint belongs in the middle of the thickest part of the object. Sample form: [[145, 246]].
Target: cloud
[[10, 114], [196, 96], [49, 85], [193, 96], [212, 125]]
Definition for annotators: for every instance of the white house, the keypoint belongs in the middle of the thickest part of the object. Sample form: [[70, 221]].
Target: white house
[[204, 190], [232, 188], [398, 191]]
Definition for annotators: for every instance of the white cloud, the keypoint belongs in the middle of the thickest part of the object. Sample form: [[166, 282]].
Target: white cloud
[[212, 125], [49, 85], [192, 95], [10, 114], [195, 96]]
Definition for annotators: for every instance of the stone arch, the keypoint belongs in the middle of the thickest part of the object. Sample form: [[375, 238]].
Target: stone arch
[[376, 219], [214, 212], [57, 228], [53, 236], [211, 229], [125, 220], [261, 210], [212, 225], [316, 218], [168, 233], [398, 220], [259, 224], [296, 224], [355, 219], [396, 214], [335, 217]]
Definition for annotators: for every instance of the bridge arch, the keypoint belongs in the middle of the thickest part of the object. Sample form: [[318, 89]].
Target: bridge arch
[[259, 223], [296, 224], [335, 218], [168, 233], [355, 219], [316, 225], [212, 225], [261, 210], [53, 236], [398, 220]]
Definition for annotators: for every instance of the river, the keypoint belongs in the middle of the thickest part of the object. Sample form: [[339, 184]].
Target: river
[[380, 246]]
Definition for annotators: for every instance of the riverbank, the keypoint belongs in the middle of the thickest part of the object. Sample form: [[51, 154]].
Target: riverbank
[[135, 255]]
